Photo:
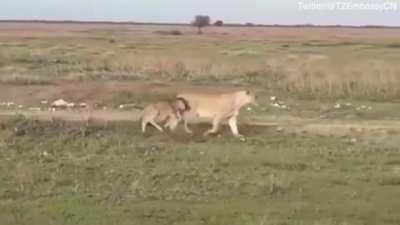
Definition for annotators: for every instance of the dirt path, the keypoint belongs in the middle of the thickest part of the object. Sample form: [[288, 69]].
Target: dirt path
[[281, 123], [69, 115]]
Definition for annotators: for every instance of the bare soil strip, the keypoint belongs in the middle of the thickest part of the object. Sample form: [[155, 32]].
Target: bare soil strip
[[284, 123]]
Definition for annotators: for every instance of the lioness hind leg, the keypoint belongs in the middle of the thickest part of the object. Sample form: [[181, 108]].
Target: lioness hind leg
[[215, 127]]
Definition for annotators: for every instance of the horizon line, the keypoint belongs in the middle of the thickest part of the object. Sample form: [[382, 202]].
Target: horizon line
[[246, 24]]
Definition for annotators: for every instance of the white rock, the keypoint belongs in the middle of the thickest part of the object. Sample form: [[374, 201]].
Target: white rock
[[121, 106], [20, 106], [273, 98], [59, 103], [44, 102], [83, 105], [70, 104], [338, 106], [249, 108], [359, 130]]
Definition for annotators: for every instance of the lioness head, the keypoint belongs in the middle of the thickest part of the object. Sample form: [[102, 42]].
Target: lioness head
[[245, 97]]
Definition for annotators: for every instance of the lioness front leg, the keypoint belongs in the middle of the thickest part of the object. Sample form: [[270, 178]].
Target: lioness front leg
[[233, 125], [215, 126]]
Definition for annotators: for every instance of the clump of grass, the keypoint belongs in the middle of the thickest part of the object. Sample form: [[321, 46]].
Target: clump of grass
[[241, 52], [320, 43], [25, 178], [276, 187], [393, 162], [393, 181], [285, 166], [24, 79], [393, 45], [169, 32]]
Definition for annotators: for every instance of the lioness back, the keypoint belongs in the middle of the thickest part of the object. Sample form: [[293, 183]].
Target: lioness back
[[208, 105]]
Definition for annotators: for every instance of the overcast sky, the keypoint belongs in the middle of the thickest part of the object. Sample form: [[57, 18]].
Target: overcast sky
[[238, 11]]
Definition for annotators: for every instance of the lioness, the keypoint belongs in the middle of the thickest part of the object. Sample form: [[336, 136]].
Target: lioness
[[218, 108], [168, 111]]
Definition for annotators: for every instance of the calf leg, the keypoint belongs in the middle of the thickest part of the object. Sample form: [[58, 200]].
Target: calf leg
[[185, 123], [144, 124], [187, 129], [172, 123], [156, 126]]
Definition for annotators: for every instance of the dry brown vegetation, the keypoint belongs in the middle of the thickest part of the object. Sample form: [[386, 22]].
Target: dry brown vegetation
[[304, 62]]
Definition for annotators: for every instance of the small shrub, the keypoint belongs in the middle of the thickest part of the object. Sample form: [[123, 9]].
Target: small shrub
[[219, 23], [170, 32], [393, 45]]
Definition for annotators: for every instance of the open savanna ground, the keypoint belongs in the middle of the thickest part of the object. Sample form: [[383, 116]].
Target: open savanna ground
[[322, 147], [306, 62]]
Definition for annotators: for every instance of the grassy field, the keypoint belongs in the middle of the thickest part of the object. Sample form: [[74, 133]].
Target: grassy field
[[59, 173], [304, 62], [325, 152]]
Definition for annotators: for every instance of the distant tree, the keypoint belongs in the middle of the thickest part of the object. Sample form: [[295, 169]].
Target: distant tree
[[201, 21], [249, 24], [219, 23]]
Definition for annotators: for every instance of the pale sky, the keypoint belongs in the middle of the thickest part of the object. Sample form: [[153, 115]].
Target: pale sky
[[234, 11]]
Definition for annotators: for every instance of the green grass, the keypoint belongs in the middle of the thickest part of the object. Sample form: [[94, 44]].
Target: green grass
[[59, 173]]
